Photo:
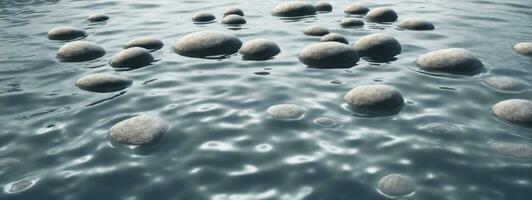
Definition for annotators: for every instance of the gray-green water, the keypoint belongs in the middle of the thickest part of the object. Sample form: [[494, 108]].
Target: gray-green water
[[222, 145]]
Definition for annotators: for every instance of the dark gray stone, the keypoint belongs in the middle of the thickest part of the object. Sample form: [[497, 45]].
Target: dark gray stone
[[356, 9], [323, 6], [351, 22], [381, 14], [259, 49], [315, 30], [334, 37], [98, 17], [329, 55], [416, 24], [145, 42], [233, 11], [134, 57], [233, 20], [66, 33], [203, 17], [378, 45]]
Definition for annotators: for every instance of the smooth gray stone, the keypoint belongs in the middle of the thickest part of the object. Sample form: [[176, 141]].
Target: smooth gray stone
[[323, 6], [329, 55], [203, 17], [381, 14], [512, 149], [351, 22], [233, 20], [293, 9], [396, 185], [259, 49], [233, 11], [98, 17], [103, 82], [207, 43], [356, 9], [514, 110], [315, 30], [334, 37], [79, 51], [145, 42], [506, 83], [134, 57], [453, 60], [378, 45], [523, 48], [376, 99], [139, 130], [286, 111], [66, 33], [326, 122], [416, 24]]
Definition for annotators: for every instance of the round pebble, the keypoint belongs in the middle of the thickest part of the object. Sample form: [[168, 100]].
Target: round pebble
[[381, 14], [103, 82], [329, 55], [286, 111], [233, 19], [506, 83], [351, 22], [356, 9], [516, 150], [378, 45], [325, 122], [98, 17], [514, 110], [454, 60], [396, 185], [139, 130], [315, 30], [293, 9], [378, 99], [234, 11], [203, 17], [145, 42], [79, 51], [207, 43], [65, 33], [416, 24], [134, 57], [259, 49], [323, 6], [523, 48], [334, 37]]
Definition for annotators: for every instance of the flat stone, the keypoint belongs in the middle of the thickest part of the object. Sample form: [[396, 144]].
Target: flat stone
[[207, 43], [512, 149], [356, 9], [203, 17], [506, 83], [259, 49], [323, 6], [376, 99], [329, 55], [315, 30], [523, 48], [381, 14], [351, 22], [233, 11], [145, 42], [378, 45], [98, 17], [286, 111], [454, 60], [293, 9], [79, 51], [103, 82], [396, 185], [334, 37], [66, 33], [134, 57], [233, 19], [416, 24], [139, 130], [514, 110], [326, 122]]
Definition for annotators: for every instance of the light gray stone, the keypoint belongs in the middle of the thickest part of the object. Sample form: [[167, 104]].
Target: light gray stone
[[134, 57], [293, 9], [334, 37], [207, 43], [453, 60], [416, 24], [523, 48], [381, 14], [233, 20], [66, 33], [145, 42], [329, 55], [505, 83], [315, 30], [376, 99], [139, 130], [396, 185], [514, 110], [259, 49], [516, 150], [103, 82], [286, 111], [356, 9], [79, 51], [378, 45]]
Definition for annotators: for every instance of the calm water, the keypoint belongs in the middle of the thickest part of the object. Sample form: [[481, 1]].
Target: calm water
[[222, 145]]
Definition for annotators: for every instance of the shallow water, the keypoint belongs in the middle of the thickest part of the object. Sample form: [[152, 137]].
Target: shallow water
[[222, 145]]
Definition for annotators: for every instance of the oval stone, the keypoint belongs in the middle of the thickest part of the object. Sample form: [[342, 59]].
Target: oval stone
[[334, 37], [286, 111], [233, 19], [381, 14], [377, 99], [516, 150], [103, 82], [145, 42], [523, 48], [98, 17], [378, 45], [505, 83], [514, 110], [323, 6], [233, 11], [454, 60], [207, 43], [315, 30], [79, 51], [203, 17], [134, 57], [65, 33], [293, 9], [139, 130], [351, 22], [259, 49], [416, 24], [356, 9], [396, 185], [329, 55]]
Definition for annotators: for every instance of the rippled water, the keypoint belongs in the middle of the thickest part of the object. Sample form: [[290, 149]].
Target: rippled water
[[222, 145]]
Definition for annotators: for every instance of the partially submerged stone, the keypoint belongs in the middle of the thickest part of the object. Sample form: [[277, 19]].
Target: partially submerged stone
[[66, 33], [453, 60], [514, 110], [233, 11], [134, 57], [286, 111], [98, 17], [376, 99], [145, 42], [516, 150], [203, 17], [396, 185], [139, 130], [326, 122], [79, 51], [323, 6], [315, 30], [356, 9], [523, 48], [259, 49], [416, 24], [103, 82], [207, 44], [351, 22], [293, 9], [381, 14], [506, 83], [233, 20], [334, 37], [378, 45], [329, 55]]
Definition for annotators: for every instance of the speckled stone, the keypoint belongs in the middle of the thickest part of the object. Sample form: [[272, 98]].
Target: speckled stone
[[315, 30], [454, 60], [374, 99], [207, 43], [259, 49], [378, 45], [515, 150], [351, 22], [396, 185], [356, 9], [523, 48], [416, 24], [134, 57], [65, 33], [293, 9], [145, 42], [139, 130], [329, 55], [381, 14], [233, 20], [79, 51], [203, 17], [233, 11], [103, 82], [334, 37], [286, 111], [505, 83], [323, 6], [514, 110], [98, 17]]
